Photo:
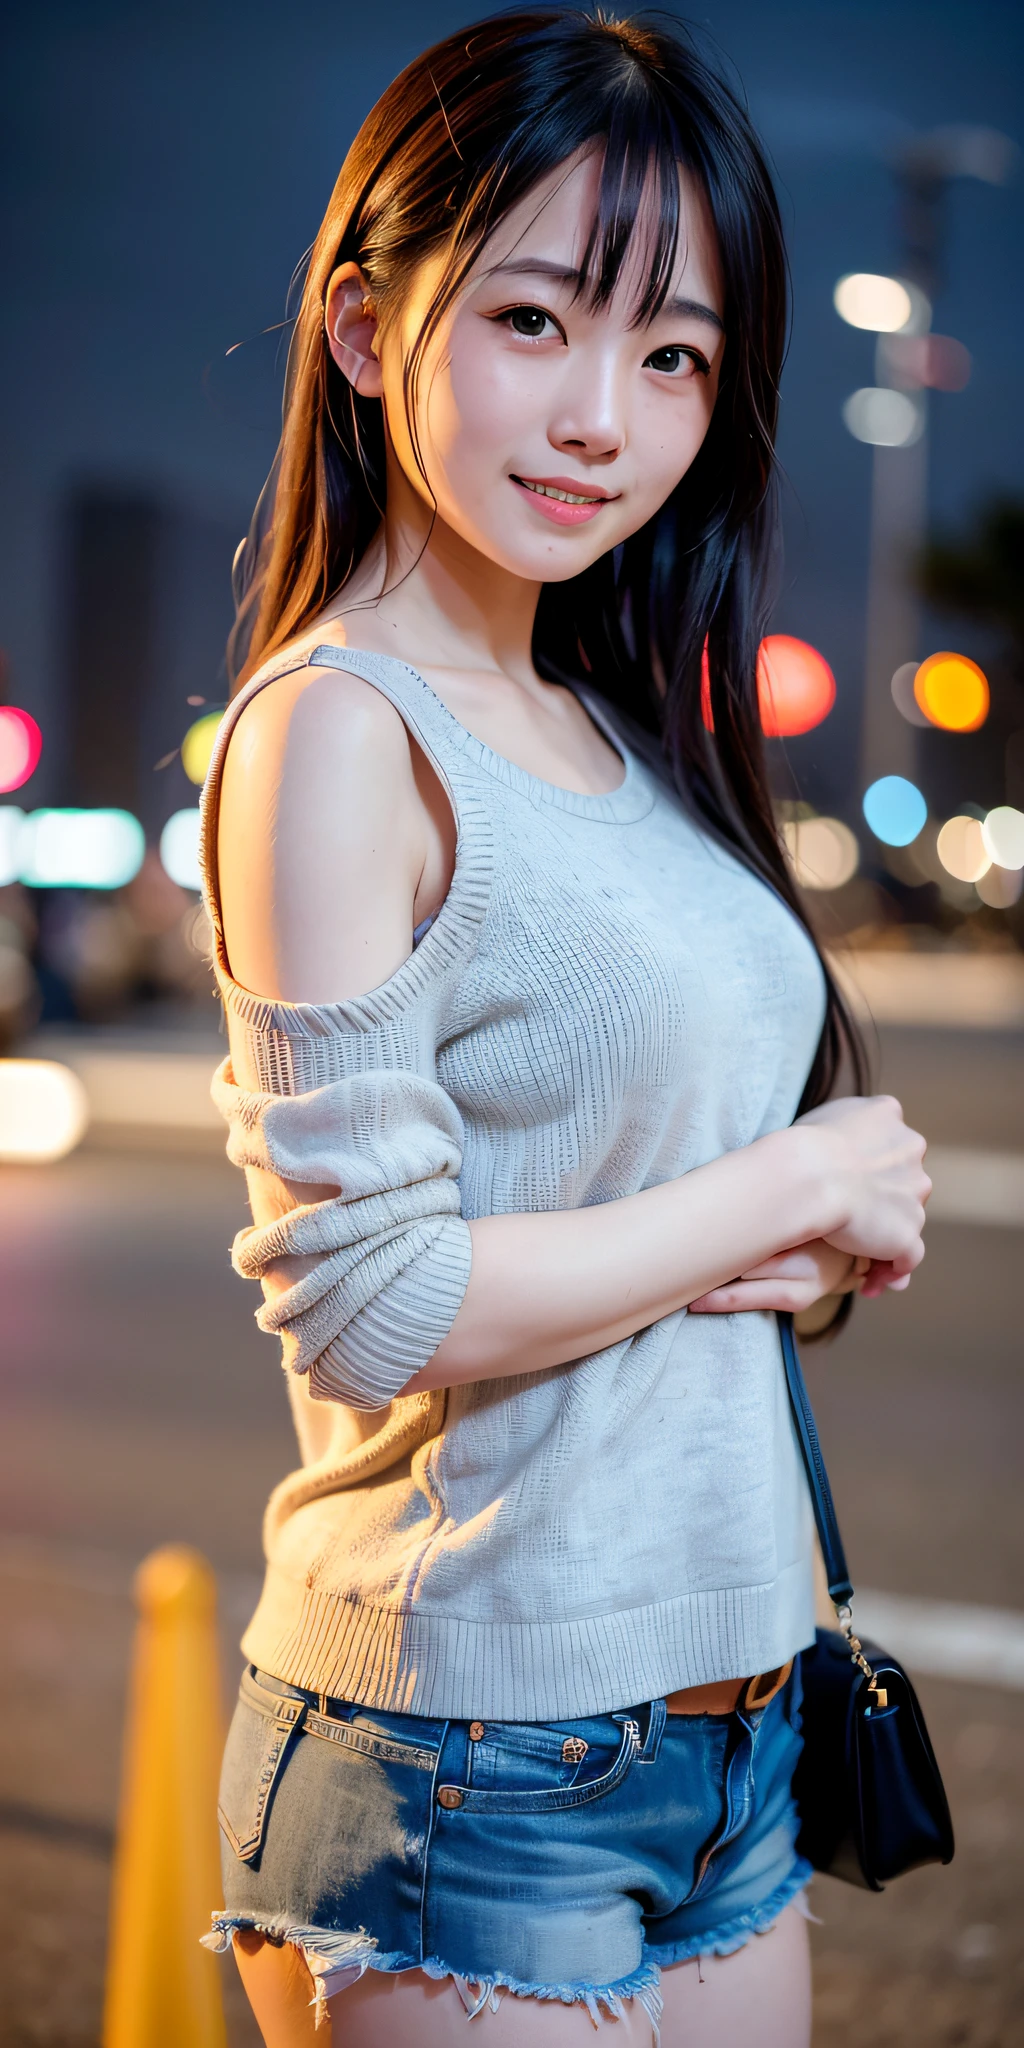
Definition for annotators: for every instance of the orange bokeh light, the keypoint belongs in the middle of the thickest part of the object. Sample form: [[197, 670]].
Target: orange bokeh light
[[795, 687], [952, 691]]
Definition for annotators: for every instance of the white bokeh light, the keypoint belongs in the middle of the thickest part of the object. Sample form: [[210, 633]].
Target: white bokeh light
[[179, 848], [823, 852], [1000, 888], [962, 850], [11, 822], [883, 418], [80, 849], [1003, 833], [902, 687], [43, 1110], [881, 304]]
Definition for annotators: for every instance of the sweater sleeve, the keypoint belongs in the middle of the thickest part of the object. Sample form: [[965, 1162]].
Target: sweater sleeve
[[392, 1252]]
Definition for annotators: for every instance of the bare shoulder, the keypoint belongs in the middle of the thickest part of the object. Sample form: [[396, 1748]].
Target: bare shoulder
[[319, 838], [313, 717]]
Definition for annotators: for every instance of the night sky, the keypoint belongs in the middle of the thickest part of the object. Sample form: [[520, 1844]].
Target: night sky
[[164, 169]]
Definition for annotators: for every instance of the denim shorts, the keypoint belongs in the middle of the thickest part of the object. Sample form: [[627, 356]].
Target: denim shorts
[[564, 1860]]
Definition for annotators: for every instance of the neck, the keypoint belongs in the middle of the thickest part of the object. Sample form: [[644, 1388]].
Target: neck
[[434, 591]]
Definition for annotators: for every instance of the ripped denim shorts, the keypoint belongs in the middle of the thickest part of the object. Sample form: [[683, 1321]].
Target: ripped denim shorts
[[563, 1860]]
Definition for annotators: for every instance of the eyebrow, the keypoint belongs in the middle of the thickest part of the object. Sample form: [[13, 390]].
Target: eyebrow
[[539, 266]]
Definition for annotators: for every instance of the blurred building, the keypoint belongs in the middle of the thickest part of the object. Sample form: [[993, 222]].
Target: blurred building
[[148, 608], [111, 546]]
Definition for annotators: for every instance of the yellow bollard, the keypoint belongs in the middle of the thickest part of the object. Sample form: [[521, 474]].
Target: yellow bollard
[[163, 1989]]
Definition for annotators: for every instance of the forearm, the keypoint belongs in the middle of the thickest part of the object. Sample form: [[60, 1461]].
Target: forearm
[[548, 1288]]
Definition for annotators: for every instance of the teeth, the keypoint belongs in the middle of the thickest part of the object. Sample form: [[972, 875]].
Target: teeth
[[564, 497]]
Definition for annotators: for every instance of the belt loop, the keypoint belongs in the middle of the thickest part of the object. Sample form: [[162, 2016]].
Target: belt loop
[[656, 1716]]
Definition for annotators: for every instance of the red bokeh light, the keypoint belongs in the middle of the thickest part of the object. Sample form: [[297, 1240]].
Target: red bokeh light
[[795, 687], [21, 744]]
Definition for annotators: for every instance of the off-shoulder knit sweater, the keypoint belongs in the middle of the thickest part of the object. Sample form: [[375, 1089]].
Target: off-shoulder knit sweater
[[605, 1000]]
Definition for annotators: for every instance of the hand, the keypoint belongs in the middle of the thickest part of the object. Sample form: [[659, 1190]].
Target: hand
[[877, 1185], [792, 1280]]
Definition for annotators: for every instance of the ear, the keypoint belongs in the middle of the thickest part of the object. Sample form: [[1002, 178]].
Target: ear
[[351, 326]]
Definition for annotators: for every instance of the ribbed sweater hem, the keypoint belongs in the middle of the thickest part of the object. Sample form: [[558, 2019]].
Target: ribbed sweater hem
[[439, 1665]]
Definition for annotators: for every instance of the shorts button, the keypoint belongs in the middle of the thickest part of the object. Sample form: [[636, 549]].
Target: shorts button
[[449, 1796], [476, 1731]]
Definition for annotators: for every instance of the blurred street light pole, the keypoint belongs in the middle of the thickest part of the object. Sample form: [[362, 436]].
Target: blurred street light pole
[[923, 169], [899, 504]]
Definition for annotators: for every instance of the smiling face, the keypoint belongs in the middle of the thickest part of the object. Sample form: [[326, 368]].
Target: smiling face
[[550, 430]]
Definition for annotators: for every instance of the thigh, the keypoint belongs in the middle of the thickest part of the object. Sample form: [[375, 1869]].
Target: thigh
[[390, 2011], [760, 1994]]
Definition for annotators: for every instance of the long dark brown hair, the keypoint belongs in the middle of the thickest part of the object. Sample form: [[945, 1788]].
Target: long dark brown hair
[[463, 134]]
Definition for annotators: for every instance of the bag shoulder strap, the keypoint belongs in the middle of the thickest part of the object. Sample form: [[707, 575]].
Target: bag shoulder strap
[[839, 1587]]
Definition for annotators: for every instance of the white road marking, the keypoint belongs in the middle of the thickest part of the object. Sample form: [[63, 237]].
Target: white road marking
[[946, 1638], [169, 1092], [132, 1086]]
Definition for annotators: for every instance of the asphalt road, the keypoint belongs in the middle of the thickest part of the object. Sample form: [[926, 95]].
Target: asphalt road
[[138, 1404]]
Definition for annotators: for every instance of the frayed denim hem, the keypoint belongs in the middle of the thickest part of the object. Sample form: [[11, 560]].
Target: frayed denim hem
[[735, 1934], [337, 1959], [334, 1959], [643, 1984]]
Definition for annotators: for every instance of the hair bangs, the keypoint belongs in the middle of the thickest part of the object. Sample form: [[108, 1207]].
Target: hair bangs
[[638, 211]]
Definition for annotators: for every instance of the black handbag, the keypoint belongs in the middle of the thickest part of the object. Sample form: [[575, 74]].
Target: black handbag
[[868, 1790]]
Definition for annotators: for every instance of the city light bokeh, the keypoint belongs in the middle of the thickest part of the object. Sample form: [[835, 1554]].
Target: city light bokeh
[[179, 849], [902, 688], [1003, 832], [79, 849], [953, 692], [823, 852], [865, 299], [197, 746], [44, 1111], [21, 744], [883, 418], [1000, 888], [961, 849], [11, 821], [795, 686], [895, 810]]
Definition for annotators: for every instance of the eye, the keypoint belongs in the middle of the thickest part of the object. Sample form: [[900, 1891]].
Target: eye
[[531, 322], [677, 362]]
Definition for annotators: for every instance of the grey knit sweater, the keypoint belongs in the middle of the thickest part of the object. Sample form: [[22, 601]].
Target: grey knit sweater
[[605, 1000]]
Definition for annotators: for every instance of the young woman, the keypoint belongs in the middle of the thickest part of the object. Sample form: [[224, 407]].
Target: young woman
[[522, 1008]]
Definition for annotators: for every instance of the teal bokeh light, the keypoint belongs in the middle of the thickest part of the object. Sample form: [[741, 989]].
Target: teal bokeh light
[[895, 810]]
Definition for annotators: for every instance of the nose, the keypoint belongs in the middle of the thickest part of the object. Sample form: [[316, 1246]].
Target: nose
[[589, 418]]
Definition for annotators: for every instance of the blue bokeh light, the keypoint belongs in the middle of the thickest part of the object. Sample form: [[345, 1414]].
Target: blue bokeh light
[[895, 810]]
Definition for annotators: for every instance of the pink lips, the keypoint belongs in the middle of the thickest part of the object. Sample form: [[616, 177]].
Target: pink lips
[[556, 509]]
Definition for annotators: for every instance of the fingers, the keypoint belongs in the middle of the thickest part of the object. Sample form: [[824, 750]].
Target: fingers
[[883, 1277], [869, 1278], [816, 1261], [743, 1297], [907, 1261]]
